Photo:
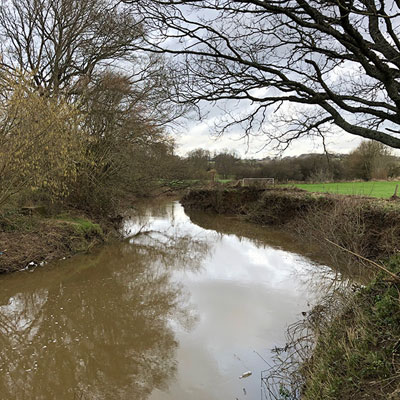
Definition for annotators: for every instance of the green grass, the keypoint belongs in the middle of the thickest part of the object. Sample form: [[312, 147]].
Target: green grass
[[224, 180], [81, 225], [379, 189]]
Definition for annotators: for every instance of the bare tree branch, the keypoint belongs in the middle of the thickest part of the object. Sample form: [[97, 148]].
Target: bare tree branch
[[342, 57], [60, 41]]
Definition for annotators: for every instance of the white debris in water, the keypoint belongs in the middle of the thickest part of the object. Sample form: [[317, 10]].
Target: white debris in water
[[245, 374]]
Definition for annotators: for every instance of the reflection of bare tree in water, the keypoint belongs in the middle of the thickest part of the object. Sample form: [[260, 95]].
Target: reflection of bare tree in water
[[99, 330], [143, 212], [288, 366], [178, 252], [320, 278]]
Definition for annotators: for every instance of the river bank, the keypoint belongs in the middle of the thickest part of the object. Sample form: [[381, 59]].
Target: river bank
[[29, 237], [44, 232], [347, 346], [368, 227], [36, 235]]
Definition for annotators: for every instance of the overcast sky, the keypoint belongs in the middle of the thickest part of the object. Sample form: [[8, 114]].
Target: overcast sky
[[194, 133], [201, 134]]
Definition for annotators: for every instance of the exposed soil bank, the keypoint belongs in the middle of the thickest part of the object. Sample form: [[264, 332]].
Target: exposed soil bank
[[369, 227], [28, 238]]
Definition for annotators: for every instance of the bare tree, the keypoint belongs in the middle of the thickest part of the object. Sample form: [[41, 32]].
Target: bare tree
[[62, 42], [198, 163], [336, 61], [226, 163]]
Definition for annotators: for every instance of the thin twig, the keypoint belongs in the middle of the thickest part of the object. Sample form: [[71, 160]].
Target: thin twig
[[397, 278]]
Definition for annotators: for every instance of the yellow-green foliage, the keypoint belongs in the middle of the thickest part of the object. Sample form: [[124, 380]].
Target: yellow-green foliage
[[87, 149], [40, 140]]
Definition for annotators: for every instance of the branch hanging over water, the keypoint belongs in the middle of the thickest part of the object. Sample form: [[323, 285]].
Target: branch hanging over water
[[381, 267]]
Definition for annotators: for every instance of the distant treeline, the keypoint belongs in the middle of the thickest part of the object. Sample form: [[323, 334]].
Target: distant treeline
[[371, 160]]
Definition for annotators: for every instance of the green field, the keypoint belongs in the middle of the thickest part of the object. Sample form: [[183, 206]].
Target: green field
[[380, 189]]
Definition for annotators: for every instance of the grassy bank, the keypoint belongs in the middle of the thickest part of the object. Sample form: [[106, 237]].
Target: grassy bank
[[348, 346], [29, 238], [357, 351]]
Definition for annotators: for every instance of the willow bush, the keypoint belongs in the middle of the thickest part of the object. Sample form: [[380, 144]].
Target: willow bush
[[40, 140], [86, 151]]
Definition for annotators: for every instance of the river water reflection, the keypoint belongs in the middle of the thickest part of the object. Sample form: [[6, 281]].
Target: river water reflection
[[179, 310]]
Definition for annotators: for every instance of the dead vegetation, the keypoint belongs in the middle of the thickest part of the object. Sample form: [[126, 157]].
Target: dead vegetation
[[346, 348], [30, 240]]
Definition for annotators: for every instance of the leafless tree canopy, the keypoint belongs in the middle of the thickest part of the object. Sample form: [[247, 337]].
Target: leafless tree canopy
[[338, 61], [60, 41], [68, 45]]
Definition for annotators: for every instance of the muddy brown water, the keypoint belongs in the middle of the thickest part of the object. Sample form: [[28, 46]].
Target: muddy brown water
[[179, 310]]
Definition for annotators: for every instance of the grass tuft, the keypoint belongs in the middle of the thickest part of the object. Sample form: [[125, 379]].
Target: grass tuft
[[81, 226]]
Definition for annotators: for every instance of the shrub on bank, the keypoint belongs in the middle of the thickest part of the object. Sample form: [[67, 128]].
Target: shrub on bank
[[357, 355]]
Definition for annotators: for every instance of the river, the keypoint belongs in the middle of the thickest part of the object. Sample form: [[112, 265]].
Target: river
[[179, 310]]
